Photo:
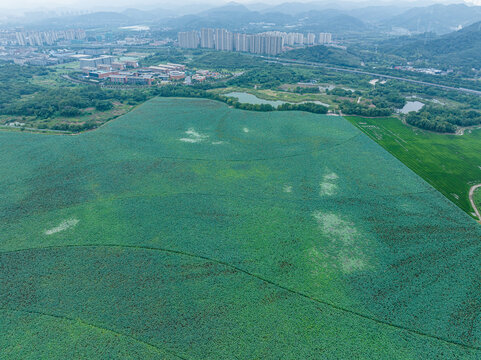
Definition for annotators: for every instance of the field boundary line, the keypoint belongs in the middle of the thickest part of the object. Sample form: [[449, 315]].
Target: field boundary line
[[292, 291], [78, 320]]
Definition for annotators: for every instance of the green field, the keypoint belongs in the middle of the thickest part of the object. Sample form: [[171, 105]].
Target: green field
[[187, 229], [450, 163]]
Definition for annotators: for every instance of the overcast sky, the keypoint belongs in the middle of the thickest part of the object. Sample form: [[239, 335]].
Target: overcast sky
[[122, 4]]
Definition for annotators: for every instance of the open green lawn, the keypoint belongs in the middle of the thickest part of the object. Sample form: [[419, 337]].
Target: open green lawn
[[450, 163], [187, 229]]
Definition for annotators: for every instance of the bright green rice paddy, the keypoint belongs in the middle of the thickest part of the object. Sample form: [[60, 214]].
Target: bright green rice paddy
[[186, 229]]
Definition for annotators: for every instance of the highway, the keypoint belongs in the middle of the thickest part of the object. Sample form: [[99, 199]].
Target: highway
[[314, 64]]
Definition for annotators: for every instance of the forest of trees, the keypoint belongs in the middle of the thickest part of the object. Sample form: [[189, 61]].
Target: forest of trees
[[323, 54], [353, 108], [436, 118], [268, 76], [15, 82]]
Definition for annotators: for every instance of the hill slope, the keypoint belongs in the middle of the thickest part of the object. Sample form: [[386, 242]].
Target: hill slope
[[460, 48]]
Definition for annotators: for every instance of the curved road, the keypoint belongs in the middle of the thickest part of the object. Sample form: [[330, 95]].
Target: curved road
[[471, 199]]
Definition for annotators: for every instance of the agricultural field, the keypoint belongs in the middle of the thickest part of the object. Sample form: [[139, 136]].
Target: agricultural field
[[450, 163], [186, 229]]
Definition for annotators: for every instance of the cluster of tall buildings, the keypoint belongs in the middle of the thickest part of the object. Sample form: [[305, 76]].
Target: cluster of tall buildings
[[221, 39], [292, 39], [40, 38], [270, 43]]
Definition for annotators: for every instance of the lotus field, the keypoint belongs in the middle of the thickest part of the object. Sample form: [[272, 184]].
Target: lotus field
[[189, 230]]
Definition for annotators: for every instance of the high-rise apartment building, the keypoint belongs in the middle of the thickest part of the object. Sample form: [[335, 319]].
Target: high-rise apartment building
[[324, 38], [223, 40], [188, 39], [310, 38], [207, 38], [241, 42]]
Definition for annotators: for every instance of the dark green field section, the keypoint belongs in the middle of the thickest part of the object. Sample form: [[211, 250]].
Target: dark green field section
[[189, 230]]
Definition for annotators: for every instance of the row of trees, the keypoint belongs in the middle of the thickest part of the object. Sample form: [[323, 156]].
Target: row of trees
[[353, 108]]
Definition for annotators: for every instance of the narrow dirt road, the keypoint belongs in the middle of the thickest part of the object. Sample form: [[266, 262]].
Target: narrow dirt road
[[471, 199]]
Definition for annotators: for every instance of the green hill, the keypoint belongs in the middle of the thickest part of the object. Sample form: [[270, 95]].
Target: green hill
[[460, 48]]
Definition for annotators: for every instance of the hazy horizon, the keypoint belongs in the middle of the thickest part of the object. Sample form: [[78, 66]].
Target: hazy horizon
[[92, 5]]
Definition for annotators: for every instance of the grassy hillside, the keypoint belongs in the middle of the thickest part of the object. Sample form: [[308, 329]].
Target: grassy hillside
[[451, 163], [187, 229]]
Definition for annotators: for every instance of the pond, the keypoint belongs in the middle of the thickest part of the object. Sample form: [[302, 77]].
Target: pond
[[244, 97], [411, 106]]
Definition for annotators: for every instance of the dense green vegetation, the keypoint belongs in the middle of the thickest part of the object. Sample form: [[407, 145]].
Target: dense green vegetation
[[323, 54], [440, 119], [168, 54], [65, 101], [354, 108], [15, 81], [268, 76], [221, 60], [450, 163], [189, 229]]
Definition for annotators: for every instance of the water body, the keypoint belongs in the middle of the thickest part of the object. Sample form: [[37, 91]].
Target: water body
[[411, 106], [136, 28], [244, 97]]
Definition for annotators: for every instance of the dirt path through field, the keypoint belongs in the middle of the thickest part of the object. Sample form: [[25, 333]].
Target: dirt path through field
[[471, 199]]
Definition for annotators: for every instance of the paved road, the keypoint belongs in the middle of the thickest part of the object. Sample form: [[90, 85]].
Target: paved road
[[314, 64]]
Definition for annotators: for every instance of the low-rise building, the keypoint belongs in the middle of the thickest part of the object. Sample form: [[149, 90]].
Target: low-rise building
[[101, 74], [176, 75]]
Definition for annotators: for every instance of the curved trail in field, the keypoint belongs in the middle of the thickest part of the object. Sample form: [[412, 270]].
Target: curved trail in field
[[471, 200], [277, 285], [78, 320]]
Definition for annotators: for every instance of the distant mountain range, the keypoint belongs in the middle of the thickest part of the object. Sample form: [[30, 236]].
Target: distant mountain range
[[334, 17]]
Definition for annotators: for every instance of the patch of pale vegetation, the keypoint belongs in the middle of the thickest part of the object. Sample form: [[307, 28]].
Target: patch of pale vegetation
[[342, 249], [194, 136], [327, 189], [64, 225], [287, 188], [328, 186], [331, 177]]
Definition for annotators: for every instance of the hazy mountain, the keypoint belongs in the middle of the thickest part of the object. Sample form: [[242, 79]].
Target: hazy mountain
[[334, 21], [96, 19], [154, 14], [460, 48], [437, 18]]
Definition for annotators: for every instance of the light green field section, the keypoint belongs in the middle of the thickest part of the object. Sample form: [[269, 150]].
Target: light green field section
[[192, 230], [450, 163]]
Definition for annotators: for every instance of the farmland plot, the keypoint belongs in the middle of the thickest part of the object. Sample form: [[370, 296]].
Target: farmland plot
[[174, 233]]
